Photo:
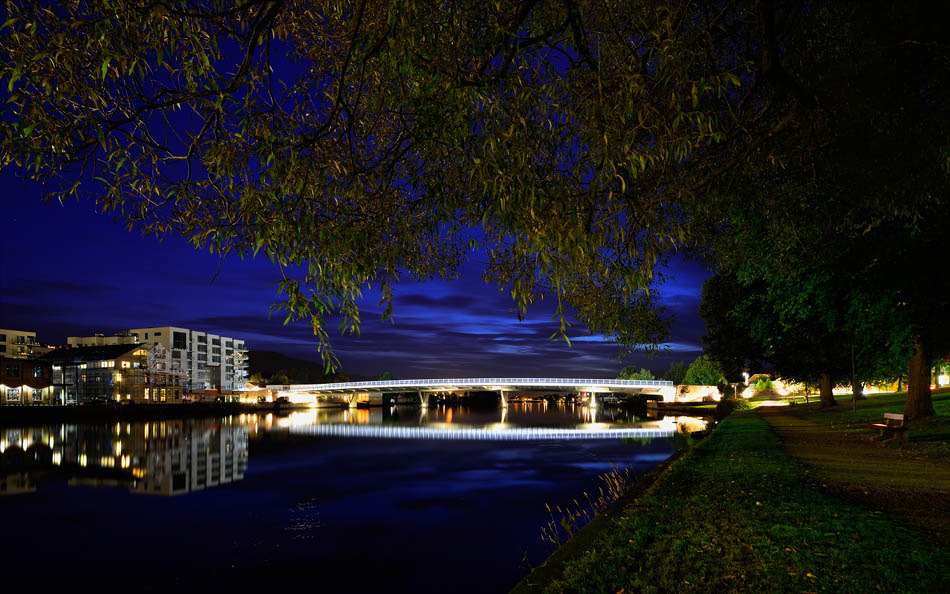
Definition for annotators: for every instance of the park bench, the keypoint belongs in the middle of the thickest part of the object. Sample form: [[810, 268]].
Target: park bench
[[893, 426]]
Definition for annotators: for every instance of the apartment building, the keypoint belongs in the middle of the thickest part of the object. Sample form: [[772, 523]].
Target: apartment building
[[134, 373], [17, 343], [210, 361]]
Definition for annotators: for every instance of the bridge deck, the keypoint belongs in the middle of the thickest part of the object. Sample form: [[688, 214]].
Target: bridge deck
[[491, 384]]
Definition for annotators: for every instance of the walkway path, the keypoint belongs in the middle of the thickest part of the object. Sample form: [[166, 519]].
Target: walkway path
[[897, 480]]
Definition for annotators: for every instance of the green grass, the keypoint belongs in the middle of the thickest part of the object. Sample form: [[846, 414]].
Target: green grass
[[737, 514], [929, 437]]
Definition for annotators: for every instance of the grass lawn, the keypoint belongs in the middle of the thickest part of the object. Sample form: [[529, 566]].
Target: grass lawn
[[738, 514], [930, 437]]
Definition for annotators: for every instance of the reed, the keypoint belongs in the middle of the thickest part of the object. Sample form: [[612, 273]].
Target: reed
[[565, 521]]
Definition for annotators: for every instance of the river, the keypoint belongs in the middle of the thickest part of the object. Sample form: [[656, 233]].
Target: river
[[269, 501]]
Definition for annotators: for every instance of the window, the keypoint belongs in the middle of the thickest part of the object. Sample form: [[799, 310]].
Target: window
[[37, 395], [216, 350], [126, 365], [179, 340], [3, 348], [215, 359], [202, 357], [37, 371], [158, 334], [203, 339], [176, 354], [227, 343], [216, 341], [13, 395], [3, 337], [202, 348], [13, 371]]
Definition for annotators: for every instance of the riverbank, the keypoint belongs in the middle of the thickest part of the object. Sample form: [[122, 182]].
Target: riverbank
[[755, 508]]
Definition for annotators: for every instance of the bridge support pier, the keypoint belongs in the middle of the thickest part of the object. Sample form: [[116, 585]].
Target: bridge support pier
[[350, 400], [424, 399], [593, 400], [504, 398]]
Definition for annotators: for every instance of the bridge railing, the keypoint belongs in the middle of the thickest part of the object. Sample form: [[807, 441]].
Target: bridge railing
[[503, 382]]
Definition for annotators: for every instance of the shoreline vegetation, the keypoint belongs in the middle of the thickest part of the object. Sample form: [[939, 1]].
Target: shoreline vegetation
[[791, 499]]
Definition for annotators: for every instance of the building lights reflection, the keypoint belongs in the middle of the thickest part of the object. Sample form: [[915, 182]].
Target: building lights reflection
[[167, 458]]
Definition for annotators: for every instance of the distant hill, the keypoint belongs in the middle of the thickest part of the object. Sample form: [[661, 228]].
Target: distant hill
[[300, 371]]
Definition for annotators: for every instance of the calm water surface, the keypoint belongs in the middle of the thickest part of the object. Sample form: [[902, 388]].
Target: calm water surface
[[256, 501]]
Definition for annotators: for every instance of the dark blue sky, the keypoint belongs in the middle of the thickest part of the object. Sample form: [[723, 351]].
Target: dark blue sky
[[68, 270]]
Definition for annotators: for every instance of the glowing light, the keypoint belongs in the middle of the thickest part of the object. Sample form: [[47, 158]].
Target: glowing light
[[57, 458], [83, 460]]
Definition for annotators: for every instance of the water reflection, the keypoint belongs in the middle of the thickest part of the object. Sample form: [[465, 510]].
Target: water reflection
[[387, 511], [180, 456], [155, 458]]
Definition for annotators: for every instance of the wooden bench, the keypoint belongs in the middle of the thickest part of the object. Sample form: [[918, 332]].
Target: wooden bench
[[893, 426]]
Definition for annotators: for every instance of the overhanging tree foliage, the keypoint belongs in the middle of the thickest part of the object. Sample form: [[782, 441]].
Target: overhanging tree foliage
[[358, 143]]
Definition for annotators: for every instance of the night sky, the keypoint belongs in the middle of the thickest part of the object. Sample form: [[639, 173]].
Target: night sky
[[69, 270]]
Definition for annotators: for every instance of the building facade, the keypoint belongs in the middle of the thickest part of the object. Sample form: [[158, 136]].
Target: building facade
[[17, 343], [102, 340], [25, 381], [209, 361], [133, 373]]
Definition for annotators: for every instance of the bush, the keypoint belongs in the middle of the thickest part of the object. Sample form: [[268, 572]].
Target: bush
[[763, 384], [727, 406]]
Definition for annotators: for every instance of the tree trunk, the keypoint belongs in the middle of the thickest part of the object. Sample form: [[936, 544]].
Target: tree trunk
[[825, 395], [919, 403], [857, 389]]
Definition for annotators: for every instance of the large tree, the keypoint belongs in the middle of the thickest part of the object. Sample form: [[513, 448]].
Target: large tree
[[835, 234], [359, 143]]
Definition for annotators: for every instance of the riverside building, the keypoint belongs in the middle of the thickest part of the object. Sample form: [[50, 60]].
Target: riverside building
[[134, 373], [17, 343], [25, 381], [210, 361]]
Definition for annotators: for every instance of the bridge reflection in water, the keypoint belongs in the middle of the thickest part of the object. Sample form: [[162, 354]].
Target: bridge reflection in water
[[489, 433], [436, 425]]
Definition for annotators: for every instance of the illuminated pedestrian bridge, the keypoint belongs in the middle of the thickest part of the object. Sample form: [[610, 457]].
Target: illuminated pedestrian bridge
[[504, 386]]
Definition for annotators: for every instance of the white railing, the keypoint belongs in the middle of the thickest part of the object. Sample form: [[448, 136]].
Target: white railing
[[476, 433], [480, 382]]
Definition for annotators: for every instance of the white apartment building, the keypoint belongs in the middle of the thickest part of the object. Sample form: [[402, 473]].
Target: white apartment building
[[210, 361], [17, 343]]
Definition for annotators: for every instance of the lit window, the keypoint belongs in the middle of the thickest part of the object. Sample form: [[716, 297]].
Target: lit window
[[126, 365]]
